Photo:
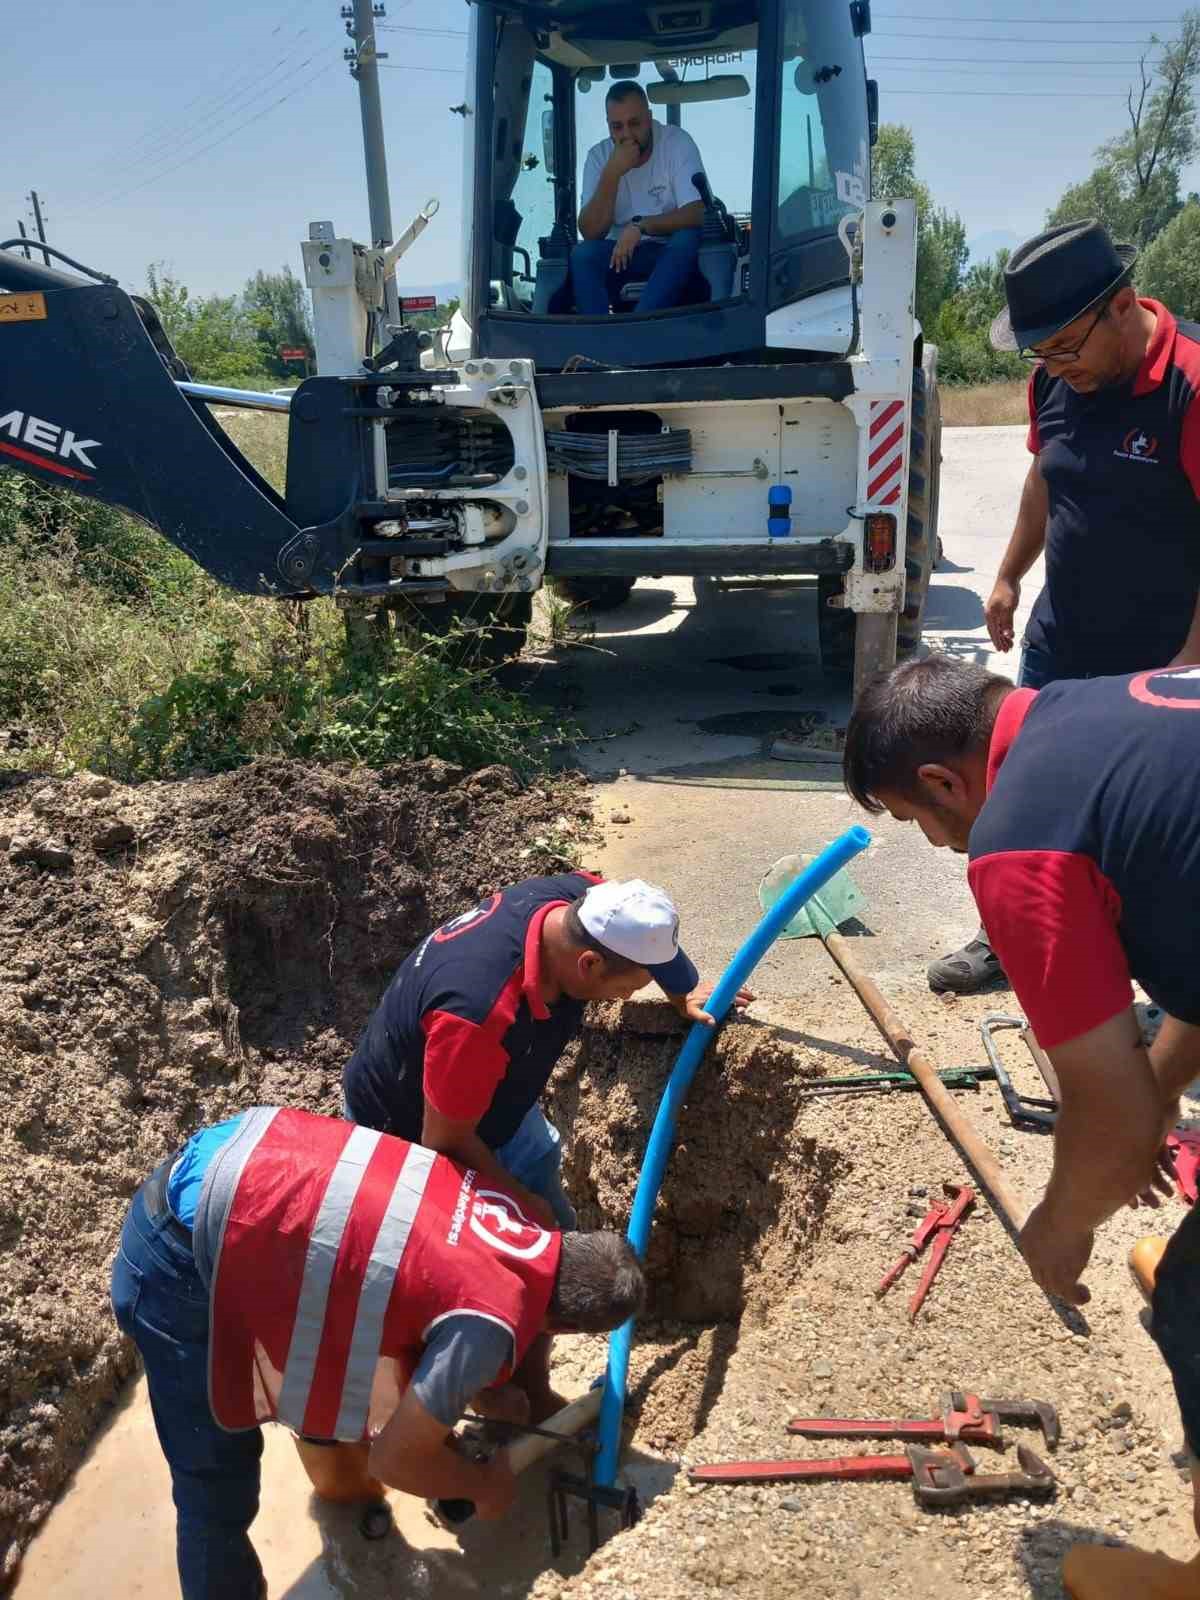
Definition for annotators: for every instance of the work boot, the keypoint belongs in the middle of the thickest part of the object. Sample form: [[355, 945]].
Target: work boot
[[1143, 1263], [967, 971], [1100, 1572]]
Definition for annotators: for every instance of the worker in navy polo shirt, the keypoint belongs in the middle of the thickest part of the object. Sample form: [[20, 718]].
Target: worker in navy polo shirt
[[1112, 496], [464, 1040], [1078, 806]]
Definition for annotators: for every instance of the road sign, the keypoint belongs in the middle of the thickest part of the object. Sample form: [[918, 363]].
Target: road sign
[[419, 302], [288, 352]]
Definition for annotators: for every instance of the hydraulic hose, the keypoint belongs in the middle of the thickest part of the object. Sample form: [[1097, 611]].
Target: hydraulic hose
[[662, 1135]]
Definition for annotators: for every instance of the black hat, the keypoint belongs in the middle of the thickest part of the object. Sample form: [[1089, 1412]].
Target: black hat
[[1055, 277]]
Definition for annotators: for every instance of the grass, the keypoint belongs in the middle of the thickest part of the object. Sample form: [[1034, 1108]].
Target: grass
[[119, 654], [983, 405]]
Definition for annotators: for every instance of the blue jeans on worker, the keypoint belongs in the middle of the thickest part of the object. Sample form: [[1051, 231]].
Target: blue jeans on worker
[[1039, 668], [665, 268], [534, 1155], [161, 1302]]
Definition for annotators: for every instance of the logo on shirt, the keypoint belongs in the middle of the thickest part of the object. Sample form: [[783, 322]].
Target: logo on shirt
[[1138, 446], [498, 1220], [468, 920], [1175, 688]]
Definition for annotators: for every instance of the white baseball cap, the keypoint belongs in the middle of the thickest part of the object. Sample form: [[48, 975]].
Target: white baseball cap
[[639, 921]]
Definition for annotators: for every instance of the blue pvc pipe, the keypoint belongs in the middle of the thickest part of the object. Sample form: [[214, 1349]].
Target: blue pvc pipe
[[662, 1135]]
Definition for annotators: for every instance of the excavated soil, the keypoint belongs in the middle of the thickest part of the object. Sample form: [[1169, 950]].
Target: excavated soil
[[169, 954]]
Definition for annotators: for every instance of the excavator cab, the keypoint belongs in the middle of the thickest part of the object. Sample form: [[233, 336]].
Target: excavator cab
[[773, 92]]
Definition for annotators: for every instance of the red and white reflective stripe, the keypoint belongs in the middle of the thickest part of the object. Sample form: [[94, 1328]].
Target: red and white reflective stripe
[[886, 451], [315, 1396]]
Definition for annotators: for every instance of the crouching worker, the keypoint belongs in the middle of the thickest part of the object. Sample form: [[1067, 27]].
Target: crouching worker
[[356, 1287]]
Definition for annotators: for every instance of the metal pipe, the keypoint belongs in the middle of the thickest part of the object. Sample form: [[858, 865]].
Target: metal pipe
[[662, 1135], [247, 399]]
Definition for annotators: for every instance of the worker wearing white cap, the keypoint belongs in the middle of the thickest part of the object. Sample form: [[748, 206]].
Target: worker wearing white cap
[[463, 1042]]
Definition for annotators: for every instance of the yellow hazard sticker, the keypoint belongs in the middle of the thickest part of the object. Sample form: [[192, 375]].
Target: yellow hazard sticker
[[22, 308]]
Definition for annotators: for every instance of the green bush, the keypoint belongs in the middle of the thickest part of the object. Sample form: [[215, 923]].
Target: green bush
[[1169, 268]]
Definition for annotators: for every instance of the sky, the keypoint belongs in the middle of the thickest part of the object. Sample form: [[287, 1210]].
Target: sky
[[208, 136]]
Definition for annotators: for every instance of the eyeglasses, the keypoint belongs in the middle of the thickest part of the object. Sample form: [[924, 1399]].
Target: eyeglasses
[[1059, 356]]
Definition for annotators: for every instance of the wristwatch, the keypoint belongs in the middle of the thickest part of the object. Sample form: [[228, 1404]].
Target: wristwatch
[[638, 222]]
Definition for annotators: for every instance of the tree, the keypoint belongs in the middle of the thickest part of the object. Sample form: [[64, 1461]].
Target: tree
[[211, 335], [276, 306], [1169, 268], [1134, 189], [941, 236]]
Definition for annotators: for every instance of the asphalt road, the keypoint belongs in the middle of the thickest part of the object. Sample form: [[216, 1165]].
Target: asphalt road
[[682, 690]]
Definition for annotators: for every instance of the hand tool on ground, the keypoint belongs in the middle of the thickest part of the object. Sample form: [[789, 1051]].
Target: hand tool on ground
[[1024, 1111], [850, 1469], [561, 1428], [964, 1416], [827, 912], [939, 1224], [1184, 1145], [860, 1082], [940, 1481]]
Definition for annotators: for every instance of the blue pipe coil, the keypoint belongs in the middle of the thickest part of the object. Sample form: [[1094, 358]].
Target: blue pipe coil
[[662, 1135]]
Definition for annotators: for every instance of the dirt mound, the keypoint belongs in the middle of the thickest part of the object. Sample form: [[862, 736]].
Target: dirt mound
[[746, 1187], [169, 954]]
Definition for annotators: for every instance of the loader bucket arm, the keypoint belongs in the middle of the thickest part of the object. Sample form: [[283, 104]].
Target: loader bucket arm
[[89, 402]]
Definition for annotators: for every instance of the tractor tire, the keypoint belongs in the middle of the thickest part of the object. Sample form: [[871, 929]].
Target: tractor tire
[[492, 629], [922, 547], [597, 594]]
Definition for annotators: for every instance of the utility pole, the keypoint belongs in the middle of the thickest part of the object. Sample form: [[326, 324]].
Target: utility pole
[[24, 235], [37, 217], [360, 18]]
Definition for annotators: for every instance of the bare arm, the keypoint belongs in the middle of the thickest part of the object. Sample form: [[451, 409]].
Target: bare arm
[[412, 1452], [1175, 1058], [1106, 1143], [461, 1142], [1188, 654], [688, 216], [1024, 547], [596, 217]]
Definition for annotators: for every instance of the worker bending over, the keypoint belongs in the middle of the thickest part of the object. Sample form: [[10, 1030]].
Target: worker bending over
[[463, 1042], [1079, 809], [354, 1286]]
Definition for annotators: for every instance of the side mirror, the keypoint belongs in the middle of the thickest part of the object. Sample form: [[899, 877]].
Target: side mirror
[[860, 17], [548, 139], [873, 111]]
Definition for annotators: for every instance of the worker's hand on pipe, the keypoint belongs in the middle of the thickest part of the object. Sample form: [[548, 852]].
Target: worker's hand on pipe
[[628, 240], [1057, 1255], [999, 612], [691, 1006], [500, 1489]]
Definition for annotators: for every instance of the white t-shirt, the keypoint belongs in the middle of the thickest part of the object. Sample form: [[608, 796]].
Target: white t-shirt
[[663, 184]]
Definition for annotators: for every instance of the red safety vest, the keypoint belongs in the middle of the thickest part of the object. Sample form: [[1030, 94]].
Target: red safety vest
[[340, 1249]]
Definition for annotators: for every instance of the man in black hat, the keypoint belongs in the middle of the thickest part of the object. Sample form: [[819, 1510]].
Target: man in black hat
[[1113, 493]]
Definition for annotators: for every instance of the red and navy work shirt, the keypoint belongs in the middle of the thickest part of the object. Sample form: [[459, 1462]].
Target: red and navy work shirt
[[463, 1023], [1122, 469], [1085, 860]]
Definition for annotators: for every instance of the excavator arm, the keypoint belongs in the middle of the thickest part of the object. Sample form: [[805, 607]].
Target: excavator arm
[[91, 400]]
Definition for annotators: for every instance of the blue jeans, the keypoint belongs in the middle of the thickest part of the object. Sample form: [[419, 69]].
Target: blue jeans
[[1038, 668], [666, 266], [161, 1302], [533, 1155]]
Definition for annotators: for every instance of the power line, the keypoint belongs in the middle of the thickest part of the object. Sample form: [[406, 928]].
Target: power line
[[200, 132], [1021, 66], [1042, 22], [1010, 94], [196, 154], [992, 38], [402, 27], [398, 66], [951, 64]]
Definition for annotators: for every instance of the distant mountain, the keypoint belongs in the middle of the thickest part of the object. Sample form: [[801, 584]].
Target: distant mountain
[[988, 243]]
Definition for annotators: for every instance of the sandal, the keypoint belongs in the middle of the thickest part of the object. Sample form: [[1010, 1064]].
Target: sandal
[[967, 971]]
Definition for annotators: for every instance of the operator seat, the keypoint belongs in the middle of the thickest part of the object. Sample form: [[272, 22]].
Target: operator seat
[[716, 264]]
